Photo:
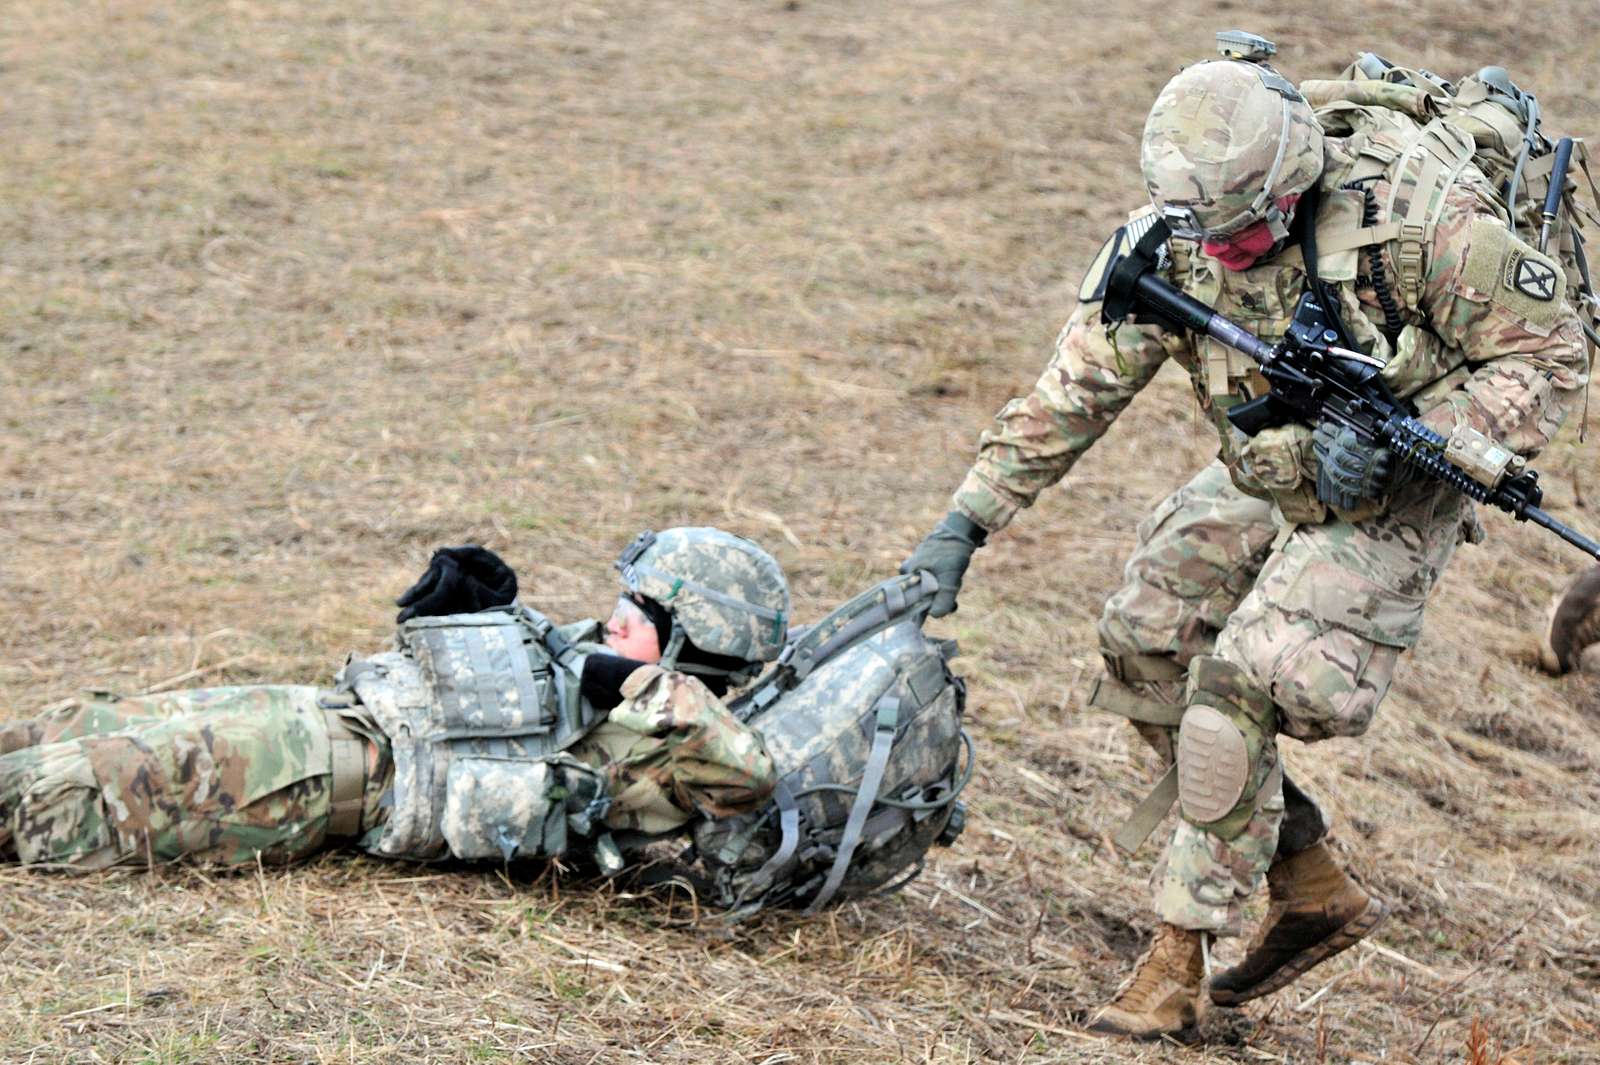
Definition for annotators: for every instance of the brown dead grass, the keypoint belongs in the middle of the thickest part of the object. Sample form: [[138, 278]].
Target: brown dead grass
[[290, 294]]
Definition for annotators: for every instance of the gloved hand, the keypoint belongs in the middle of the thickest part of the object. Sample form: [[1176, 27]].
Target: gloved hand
[[1351, 470], [459, 580], [946, 552]]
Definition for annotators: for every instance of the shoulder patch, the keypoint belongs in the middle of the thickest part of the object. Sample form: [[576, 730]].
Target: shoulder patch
[[1121, 242], [1502, 269], [1535, 279]]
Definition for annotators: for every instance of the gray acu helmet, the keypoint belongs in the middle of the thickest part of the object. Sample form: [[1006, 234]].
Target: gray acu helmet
[[725, 594], [1225, 140]]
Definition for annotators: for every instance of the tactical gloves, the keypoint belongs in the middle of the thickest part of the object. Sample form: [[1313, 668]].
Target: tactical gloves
[[459, 580], [1351, 470], [946, 552]]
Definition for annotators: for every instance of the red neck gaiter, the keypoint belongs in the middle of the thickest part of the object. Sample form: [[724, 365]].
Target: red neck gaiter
[[1241, 250]]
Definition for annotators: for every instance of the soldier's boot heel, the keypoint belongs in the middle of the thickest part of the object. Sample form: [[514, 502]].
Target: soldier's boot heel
[[1317, 911], [1164, 998]]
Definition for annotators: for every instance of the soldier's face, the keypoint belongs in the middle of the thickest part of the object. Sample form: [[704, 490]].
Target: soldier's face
[[631, 634]]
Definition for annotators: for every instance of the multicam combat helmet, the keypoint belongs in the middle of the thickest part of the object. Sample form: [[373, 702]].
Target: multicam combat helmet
[[1224, 142], [725, 595]]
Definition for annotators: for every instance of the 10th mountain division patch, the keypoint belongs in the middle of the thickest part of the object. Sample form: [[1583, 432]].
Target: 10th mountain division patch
[[1532, 277]]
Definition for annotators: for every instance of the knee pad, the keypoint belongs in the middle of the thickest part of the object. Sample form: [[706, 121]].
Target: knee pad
[[1223, 747]]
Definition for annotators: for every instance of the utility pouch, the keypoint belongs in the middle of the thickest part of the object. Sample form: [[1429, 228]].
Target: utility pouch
[[508, 809], [488, 680], [1281, 462]]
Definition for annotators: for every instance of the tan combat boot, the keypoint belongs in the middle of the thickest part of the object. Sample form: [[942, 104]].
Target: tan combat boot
[[1316, 912], [1165, 996]]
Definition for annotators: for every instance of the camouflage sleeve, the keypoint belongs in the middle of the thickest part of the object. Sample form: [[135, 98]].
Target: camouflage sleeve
[[1502, 303], [1036, 438], [691, 747]]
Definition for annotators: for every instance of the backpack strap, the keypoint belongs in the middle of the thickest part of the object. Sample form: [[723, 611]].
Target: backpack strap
[[789, 842], [879, 607], [871, 780], [1437, 155]]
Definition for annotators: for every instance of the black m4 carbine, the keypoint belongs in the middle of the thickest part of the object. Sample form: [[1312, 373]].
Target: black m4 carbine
[[1315, 381]]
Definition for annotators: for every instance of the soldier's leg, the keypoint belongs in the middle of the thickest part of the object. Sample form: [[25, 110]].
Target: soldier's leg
[[96, 713], [248, 771], [91, 714], [1310, 653], [1197, 556], [1198, 553]]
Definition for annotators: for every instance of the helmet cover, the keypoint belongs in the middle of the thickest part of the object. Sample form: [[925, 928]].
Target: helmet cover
[[1224, 142], [727, 595]]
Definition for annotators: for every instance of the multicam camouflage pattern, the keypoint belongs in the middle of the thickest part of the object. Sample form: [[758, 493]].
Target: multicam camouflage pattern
[[219, 775], [1317, 625], [1475, 350], [671, 750], [1222, 143], [728, 594], [1315, 611], [1038, 437], [1202, 880]]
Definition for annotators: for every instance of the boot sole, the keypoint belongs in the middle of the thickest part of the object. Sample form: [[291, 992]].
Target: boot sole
[[1186, 1036], [1353, 932]]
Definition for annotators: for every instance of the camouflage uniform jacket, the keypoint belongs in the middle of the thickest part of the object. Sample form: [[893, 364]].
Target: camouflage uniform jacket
[[671, 750], [1475, 349]]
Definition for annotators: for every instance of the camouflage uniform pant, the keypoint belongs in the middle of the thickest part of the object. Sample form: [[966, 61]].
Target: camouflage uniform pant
[[1314, 616], [220, 775], [215, 775]]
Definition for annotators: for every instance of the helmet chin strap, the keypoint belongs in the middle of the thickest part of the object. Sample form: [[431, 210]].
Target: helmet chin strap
[[674, 648], [675, 642]]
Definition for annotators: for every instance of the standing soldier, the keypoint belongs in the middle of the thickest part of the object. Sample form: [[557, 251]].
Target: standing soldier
[[1275, 592]]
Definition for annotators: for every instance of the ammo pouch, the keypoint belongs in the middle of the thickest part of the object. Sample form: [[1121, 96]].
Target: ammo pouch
[[478, 708], [1278, 463], [503, 809]]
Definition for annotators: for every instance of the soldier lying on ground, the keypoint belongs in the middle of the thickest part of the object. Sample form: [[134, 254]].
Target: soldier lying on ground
[[483, 735]]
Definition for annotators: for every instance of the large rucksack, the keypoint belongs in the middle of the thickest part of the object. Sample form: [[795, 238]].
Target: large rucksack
[[863, 720], [1423, 129]]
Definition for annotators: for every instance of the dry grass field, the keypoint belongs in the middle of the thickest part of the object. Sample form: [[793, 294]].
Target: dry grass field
[[291, 293]]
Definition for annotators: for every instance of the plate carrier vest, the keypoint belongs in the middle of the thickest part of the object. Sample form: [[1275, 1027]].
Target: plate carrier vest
[[479, 709]]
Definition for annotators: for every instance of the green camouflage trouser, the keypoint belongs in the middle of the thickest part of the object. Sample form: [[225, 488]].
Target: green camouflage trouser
[[215, 775], [1314, 616]]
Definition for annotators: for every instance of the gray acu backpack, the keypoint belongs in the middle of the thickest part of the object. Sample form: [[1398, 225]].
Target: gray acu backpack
[[862, 717]]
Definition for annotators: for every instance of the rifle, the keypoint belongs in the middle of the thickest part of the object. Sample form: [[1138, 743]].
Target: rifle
[[1315, 381]]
